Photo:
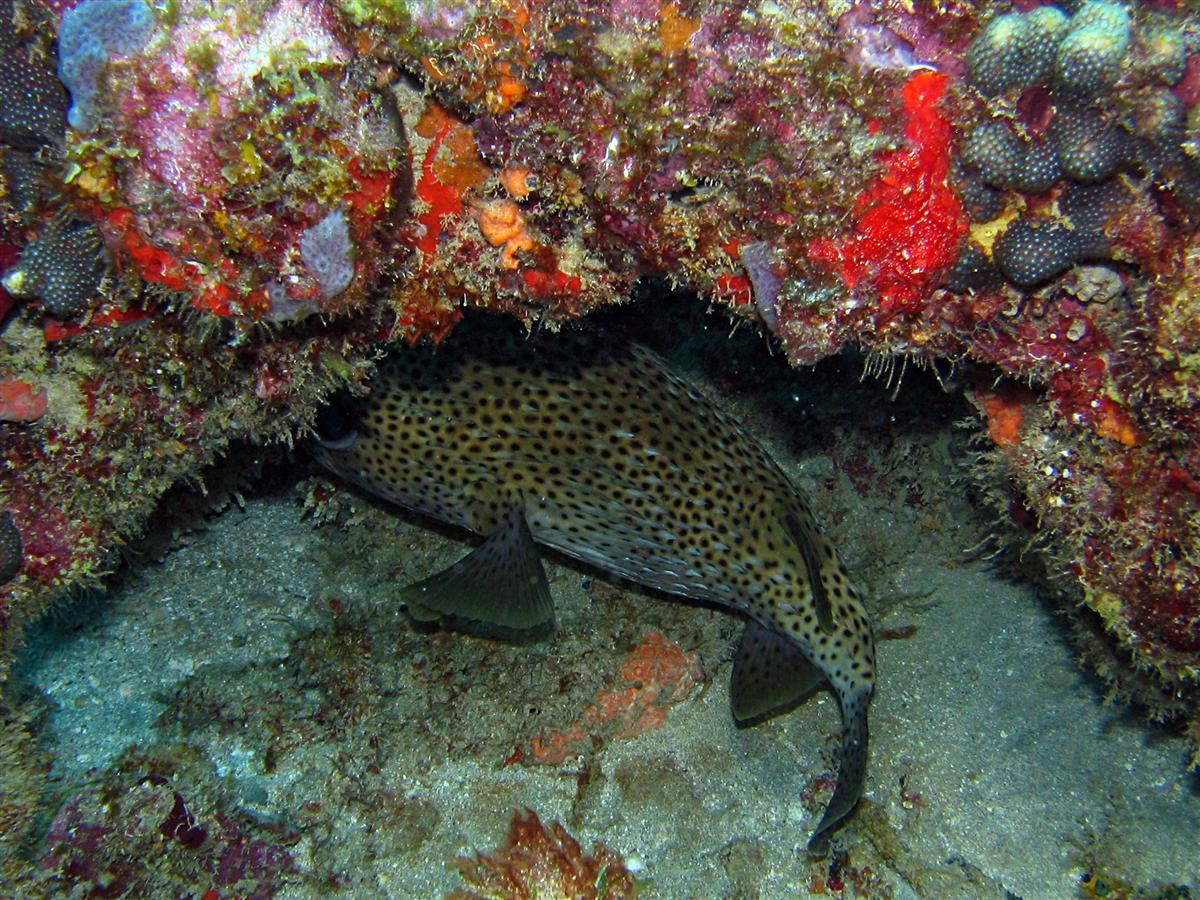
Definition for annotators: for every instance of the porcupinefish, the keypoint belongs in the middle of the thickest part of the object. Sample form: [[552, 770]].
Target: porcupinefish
[[599, 450]]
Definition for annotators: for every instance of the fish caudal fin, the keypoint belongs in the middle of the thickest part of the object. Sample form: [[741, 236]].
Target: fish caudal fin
[[500, 585], [770, 675], [852, 771]]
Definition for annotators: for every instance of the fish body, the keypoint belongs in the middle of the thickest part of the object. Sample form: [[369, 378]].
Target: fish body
[[602, 452]]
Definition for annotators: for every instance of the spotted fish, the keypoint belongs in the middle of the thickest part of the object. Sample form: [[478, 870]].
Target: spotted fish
[[599, 450]]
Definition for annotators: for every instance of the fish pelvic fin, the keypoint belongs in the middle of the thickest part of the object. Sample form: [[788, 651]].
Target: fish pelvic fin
[[499, 589], [771, 675], [852, 770]]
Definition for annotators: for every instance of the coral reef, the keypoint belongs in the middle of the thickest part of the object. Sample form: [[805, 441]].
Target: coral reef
[[1099, 458], [241, 200], [244, 177], [22, 789]]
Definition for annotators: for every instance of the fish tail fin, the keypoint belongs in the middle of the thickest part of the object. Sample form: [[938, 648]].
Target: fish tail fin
[[852, 769]]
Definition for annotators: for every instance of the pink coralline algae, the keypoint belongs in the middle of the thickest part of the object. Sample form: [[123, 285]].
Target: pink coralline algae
[[99, 849], [21, 401], [535, 862], [654, 677]]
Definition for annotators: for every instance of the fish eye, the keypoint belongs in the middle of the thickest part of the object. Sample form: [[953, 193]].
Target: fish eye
[[335, 429]]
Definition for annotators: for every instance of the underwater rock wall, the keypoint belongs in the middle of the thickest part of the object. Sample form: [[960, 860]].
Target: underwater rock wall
[[213, 229]]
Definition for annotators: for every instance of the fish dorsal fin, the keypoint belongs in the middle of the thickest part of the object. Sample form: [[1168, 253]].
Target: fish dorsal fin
[[501, 583], [770, 675], [809, 551]]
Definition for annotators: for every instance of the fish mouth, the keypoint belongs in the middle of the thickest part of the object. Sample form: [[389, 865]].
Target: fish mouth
[[342, 442], [333, 455]]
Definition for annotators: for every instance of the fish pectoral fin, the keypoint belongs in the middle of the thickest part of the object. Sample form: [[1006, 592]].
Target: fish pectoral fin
[[501, 583], [770, 675], [812, 566]]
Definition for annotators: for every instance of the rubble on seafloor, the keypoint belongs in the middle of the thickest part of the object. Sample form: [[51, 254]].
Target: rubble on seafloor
[[213, 215]]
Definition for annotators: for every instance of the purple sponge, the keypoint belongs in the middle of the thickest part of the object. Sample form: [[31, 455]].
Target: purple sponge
[[90, 34], [328, 253]]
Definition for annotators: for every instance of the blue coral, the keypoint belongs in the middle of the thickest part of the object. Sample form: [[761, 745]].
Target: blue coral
[[1083, 55], [1156, 122], [1164, 53], [993, 59], [1029, 253], [1002, 159], [993, 150], [1015, 50], [1038, 170], [1090, 149], [1045, 28], [1105, 75]]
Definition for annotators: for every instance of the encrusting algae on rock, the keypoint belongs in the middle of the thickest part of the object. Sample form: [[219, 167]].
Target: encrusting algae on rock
[[534, 862], [655, 675], [602, 452]]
